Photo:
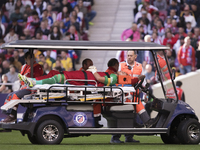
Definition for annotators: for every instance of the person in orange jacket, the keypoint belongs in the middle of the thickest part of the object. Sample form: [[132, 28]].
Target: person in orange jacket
[[134, 69], [25, 70], [180, 92]]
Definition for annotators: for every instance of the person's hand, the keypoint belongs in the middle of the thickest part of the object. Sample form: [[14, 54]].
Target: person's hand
[[198, 46], [193, 68], [181, 66], [92, 69]]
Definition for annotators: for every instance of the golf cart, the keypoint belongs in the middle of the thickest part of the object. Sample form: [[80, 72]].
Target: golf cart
[[62, 110]]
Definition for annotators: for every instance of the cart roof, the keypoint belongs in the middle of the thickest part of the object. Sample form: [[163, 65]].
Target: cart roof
[[86, 45]]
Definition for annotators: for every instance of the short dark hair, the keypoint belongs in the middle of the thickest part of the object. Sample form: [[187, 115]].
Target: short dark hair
[[27, 54], [112, 62], [84, 62], [34, 13], [179, 83]]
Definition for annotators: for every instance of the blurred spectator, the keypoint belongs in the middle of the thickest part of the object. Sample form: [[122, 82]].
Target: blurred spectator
[[169, 39], [149, 73], [63, 29], [174, 27], [10, 6], [66, 61], [21, 55], [33, 22], [17, 58], [144, 18], [2, 3], [90, 13], [3, 17], [189, 27], [43, 29], [2, 58], [72, 54], [160, 4], [168, 23], [173, 15], [74, 23], [55, 34], [181, 22], [27, 35], [171, 56], [55, 5], [39, 7], [65, 3], [79, 14], [131, 31], [186, 57], [51, 13], [143, 31], [1, 73], [150, 8], [194, 6], [46, 68], [153, 23], [5, 88], [8, 53], [180, 92], [73, 33], [58, 65], [20, 5], [156, 39], [36, 53], [176, 48], [1, 50], [174, 5], [28, 12], [14, 25], [160, 28], [139, 15], [49, 59], [15, 63], [181, 32], [12, 74], [188, 17], [17, 15], [47, 17], [63, 15], [5, 65], [11, 36], [77, 18], [41, 60], [39, 36]]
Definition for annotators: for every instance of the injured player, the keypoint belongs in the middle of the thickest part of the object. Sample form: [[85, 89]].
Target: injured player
[[54, 77]]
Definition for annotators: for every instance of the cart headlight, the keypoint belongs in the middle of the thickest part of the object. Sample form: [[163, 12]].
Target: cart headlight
[[190, 108]]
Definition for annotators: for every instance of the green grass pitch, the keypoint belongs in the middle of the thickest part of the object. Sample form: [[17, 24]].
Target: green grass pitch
[[15, 141]]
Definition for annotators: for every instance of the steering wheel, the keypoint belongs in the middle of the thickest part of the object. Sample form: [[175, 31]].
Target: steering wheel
[[139, 83]]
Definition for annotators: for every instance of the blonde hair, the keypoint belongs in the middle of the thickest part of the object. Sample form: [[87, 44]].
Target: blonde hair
[[147, 37]]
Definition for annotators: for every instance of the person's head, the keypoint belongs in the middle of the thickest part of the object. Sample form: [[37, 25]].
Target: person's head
[[86, 63], [144, 14], [35, 14], [26, 32], [16, 54], [159, 24], [46, 66], [172, 12], [147, 38], [187, 41], [169, 35], [174, 2], [38, 2], [196, 31], [12, 31], [45, 13], [131, 56], [4, 78], [27, 57], [190, 34], [169, 21], [48, 52], [80, 3], [180, 30], [64, 2], [76, 8], [5, 64], [58, 63], [134, 27], [188, 25], [63, 54], [72, 29], [179, 83], [43, 25], [49, 8], [42, 57], [12, 69], [17, 10], [113, 62], [55, 29], [148, 68], [174, 23], [38, 35], [154, 35], [65, 10]]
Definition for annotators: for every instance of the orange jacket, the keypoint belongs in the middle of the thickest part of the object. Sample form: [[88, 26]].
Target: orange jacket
[[163, 66]]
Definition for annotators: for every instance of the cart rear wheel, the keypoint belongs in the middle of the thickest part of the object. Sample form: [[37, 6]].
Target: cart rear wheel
[[50, 132], [189, 131]]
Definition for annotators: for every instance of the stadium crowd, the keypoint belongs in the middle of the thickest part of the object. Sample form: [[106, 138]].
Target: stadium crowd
[[174, 23], [42, 20]]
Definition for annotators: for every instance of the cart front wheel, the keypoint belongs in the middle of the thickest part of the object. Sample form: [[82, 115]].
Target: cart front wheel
[[189, 131]]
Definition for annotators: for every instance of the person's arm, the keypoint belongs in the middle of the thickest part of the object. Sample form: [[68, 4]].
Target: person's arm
[[99, 78], [193, 59]]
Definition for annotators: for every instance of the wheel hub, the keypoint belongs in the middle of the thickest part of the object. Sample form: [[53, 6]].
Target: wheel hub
[[193, 131], [50, 132]]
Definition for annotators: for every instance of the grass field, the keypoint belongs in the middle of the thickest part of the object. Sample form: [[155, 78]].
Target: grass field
[[15, 141]]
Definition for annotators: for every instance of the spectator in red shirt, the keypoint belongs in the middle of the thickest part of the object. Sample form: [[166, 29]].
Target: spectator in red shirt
[[180, 33], [169, 39], [186, 57]]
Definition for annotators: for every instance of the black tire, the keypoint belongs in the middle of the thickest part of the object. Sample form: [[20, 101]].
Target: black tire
[[170, 139], [32, 139], [189, 131], [50, 132]]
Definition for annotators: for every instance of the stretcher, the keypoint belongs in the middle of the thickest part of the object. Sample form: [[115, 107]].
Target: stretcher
[[55, 93]]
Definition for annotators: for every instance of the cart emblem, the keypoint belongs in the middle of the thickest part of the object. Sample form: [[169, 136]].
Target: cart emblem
[[80, 119]]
